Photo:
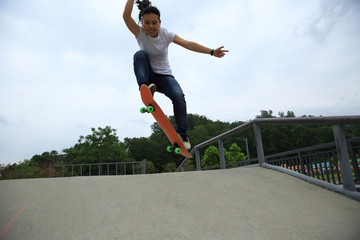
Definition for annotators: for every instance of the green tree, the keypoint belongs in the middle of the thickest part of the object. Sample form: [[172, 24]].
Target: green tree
[[101, 146], [46, 158], [170, 167], [27, 169], [7, 171], [289, 114], [234, 154], [211, 157], [150, 168], [265, 114], [138, 148]]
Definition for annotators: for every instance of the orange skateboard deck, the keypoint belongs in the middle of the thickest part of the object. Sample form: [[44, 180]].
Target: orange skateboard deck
[[163, 121]]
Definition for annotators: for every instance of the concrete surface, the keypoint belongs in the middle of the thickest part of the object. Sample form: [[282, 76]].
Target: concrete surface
[[246, 203]]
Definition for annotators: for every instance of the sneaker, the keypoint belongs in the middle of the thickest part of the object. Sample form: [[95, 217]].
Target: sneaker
[[152, 88], [184, 138]]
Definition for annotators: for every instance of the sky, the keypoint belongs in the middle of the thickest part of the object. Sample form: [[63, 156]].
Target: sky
[[66, 66]]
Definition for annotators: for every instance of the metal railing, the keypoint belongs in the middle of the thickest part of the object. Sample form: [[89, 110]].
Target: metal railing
[[320, 162], [337, 122], [97, 169]]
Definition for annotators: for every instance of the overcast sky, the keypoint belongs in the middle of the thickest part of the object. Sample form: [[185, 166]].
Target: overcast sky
[[66, 66]]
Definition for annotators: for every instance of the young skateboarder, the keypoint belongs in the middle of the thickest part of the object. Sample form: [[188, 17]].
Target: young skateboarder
[[151, 65]]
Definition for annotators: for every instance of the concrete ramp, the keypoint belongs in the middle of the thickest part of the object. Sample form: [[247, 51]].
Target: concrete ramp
[[243, 203]]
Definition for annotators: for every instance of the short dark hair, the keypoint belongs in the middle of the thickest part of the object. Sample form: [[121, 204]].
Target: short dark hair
[[145, 7]]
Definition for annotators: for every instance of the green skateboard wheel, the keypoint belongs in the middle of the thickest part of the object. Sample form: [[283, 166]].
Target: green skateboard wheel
[[169, 148], [178, 150], [143, 110], [150, 109]]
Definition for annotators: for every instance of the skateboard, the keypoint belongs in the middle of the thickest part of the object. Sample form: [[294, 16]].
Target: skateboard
[[152, 107]]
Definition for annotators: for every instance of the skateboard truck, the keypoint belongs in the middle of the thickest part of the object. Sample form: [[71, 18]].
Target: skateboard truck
[[148, 109], [174, 148]]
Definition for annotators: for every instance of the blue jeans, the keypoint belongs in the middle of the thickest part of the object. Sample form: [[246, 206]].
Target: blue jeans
[[165, 84]]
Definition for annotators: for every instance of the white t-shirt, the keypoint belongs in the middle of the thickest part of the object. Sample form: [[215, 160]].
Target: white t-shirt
[[157, 48]]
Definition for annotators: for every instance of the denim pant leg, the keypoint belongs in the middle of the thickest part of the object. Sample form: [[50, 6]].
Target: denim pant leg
[[168, 85], [142, 68]]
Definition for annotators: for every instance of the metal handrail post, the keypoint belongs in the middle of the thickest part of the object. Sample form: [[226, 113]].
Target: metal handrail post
[[259, 145], [343, 154], [143, 167], [197, 157], [222, 155], [247, 150]]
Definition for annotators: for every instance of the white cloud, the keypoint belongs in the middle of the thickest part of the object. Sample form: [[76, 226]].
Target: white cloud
[[108, 12], [331, 13]]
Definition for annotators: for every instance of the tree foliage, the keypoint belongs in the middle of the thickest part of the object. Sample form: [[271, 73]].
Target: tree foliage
[[212, 156], [102, 146]]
